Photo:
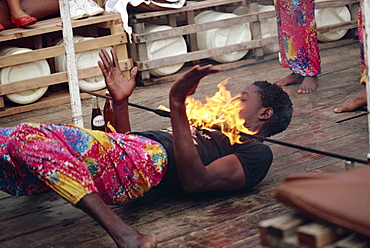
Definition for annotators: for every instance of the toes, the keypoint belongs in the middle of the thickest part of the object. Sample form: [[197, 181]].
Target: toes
[[305, 90], [338, 110]]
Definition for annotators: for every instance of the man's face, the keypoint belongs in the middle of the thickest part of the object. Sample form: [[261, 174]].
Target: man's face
[[252, 107]]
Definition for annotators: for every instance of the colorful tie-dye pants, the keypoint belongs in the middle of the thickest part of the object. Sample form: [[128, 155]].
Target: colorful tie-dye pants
[[298, 43], [362, 52], [75, 162]]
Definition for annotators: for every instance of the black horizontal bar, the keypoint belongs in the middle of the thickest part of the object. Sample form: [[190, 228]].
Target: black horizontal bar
[[308, 149]]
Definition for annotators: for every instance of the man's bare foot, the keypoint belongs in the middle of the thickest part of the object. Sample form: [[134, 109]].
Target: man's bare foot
[[136, 240], [123, 234], [358, 100], [291, 79], [308, 85]]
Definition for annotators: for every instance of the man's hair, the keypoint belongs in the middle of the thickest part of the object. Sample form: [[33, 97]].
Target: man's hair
[[275, 97]]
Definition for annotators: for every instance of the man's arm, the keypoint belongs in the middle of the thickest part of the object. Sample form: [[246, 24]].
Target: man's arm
[[119, 87], [223, 174]]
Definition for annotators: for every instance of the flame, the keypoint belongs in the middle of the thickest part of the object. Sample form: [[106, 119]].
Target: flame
[[220, 110]]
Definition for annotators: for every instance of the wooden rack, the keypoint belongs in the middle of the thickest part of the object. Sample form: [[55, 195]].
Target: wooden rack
[[107, 29], [182, 21]]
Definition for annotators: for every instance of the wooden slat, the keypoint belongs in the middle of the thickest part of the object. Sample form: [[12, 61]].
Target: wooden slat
[[316, 235], [50, 52], [197, 5], [333, 4], [193, 28], [54, 78], [53, 25], [44, 102], [190, 6], [206, 53]]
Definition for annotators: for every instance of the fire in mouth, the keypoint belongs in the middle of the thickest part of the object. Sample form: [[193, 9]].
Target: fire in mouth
[[219, 111]]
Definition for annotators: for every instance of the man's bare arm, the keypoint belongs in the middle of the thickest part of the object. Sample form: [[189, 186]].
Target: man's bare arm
[[119, 87], [223, 174]]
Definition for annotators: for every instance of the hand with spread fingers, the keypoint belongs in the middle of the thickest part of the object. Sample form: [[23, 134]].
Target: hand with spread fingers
[[186, 84], [118, 85]]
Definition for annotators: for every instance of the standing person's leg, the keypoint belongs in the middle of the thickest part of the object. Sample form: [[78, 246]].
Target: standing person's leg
[[298, 43], [15, 8], [18, 16], [360, 99]]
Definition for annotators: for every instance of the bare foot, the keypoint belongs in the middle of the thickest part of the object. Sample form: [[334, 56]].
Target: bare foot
[[308, 85], [291, 79], [137, 240], [358, 100], [123, 234]]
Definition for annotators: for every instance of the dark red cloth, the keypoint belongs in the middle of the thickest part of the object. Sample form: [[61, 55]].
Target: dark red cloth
[[341, 198]]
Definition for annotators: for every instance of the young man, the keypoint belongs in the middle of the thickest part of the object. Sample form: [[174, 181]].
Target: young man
[[91, 169]]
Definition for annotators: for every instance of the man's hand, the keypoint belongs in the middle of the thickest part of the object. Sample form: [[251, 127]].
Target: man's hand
[[186, 84], [118, 85]]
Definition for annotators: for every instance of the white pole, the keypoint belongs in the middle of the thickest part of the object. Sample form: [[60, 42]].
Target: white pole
[[74, 90], [366, 31]]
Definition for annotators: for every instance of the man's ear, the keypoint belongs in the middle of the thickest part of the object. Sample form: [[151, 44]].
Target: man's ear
[[266, 113]]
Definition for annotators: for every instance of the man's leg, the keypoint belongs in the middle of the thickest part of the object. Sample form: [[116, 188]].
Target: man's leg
[[46, 152], [122, 234]]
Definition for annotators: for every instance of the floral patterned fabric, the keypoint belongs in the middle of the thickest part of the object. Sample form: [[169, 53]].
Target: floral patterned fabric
[[298, 43], [361, 39], [74, 162]]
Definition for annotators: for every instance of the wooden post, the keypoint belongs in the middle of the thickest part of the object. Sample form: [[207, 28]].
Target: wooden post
[[74, 90], [366, 29]]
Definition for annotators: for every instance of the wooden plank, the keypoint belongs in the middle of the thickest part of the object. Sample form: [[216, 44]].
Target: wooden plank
[[190, 6], [44, 102], [2, 104], [333, 4], [201, 54], [255, 28], [283, 226], [197, 5], [193, 28], [336, 27], [192, 38], [54, 51], [316, 235], [53, 25], [54, 78], [121, 49], [227, 66]]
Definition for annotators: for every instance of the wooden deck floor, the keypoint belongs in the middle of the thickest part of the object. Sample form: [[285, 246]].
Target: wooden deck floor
[[205, 220]]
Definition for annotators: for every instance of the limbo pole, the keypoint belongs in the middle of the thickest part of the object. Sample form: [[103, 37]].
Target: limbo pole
[[74, 90]]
